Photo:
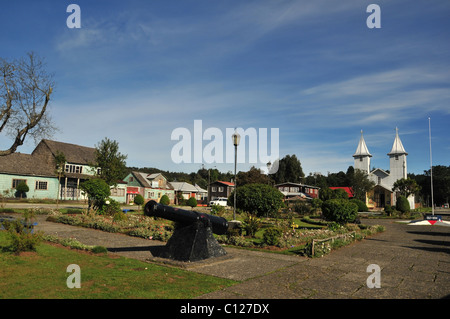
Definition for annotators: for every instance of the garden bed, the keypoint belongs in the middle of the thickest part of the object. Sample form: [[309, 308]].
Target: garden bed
[[287, 236]]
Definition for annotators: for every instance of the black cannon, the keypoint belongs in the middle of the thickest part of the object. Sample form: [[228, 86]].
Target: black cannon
[[193, 238]]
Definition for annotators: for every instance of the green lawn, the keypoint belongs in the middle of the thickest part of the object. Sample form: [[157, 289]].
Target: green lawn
[[43, 275]]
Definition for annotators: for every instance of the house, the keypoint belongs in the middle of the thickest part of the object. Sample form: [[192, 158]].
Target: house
[[220, 189], [149, 186], [382, 194], [297, 191], [185, 191], [348, 190], [38, 171], [77, 169]]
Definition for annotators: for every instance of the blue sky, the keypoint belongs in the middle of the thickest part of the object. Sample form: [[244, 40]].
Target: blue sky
[[137, 70]]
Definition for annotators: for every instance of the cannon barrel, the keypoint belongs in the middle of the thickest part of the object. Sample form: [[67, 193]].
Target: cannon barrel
[[219, 225]]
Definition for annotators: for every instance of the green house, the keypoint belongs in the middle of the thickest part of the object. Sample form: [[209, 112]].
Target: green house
[[150, 186], [38, 171]]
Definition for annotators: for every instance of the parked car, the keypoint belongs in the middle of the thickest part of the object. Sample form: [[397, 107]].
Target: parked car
[[222, 201]]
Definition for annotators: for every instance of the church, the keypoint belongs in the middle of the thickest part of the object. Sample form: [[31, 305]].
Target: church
[[382, 194]]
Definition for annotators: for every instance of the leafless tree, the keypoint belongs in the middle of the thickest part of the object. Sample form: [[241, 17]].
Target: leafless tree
[[25, 91]]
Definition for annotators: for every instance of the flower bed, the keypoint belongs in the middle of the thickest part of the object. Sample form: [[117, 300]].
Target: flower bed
[[290, 238], [132, 225]]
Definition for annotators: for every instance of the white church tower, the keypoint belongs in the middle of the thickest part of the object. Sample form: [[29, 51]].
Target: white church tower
[[397, 159], [362, 156], [382, 193]]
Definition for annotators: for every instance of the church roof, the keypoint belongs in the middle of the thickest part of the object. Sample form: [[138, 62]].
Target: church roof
[[397, 147], [362, 149]]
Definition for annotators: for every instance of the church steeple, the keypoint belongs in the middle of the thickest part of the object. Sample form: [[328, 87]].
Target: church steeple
[[362, 155], [397, 147], [397, 159], [362, 149]]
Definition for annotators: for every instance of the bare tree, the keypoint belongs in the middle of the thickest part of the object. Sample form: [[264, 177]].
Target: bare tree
[[25, 91]]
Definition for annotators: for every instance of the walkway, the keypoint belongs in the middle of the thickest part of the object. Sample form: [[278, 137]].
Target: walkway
[[414, 262]]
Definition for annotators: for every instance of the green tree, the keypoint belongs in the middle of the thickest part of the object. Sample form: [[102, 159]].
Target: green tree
[[165, 200], [139, 200], [402, 205], [340, 210], [361, 184], [406, 187], [192, 202], [110, 161], [289, 170], [22, 189], [253, 176], [97, 191], [258, 199]]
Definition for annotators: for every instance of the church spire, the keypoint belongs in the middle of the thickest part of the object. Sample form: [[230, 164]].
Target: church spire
[[397, 147], [362, 149]]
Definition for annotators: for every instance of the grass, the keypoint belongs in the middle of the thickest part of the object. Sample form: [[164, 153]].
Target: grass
[[42, 274]]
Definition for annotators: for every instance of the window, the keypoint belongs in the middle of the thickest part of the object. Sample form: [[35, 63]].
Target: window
[[213, 189], [221, 189], [16, 182], [71, 168], [41, 185], [118, 192]]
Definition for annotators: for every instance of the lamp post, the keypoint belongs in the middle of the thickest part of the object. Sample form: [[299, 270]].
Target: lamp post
[[236, 139]]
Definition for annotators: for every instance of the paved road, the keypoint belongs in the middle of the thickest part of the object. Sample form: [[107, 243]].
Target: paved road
[[414, 263]]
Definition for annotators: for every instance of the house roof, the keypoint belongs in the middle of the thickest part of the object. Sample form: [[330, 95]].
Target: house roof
[[41, 162], [348, 190], [74, 153], [225, 183], [26, 164], [296, 184], [362, 149], [184, 187], [145, 179], [200, 190]]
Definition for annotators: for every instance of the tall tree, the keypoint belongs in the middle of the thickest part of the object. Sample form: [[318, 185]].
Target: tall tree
[[254, 175], [25, 91], [110, 161], [289, 170], [361, 184], [406, 187]]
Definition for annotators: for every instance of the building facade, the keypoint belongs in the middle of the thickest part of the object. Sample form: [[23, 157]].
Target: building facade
[[382, 195]]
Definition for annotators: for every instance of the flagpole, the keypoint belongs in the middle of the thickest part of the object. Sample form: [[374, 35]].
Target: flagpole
[[431, 168]]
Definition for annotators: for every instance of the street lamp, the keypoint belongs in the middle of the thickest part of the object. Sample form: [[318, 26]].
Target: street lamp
[[236, 139]]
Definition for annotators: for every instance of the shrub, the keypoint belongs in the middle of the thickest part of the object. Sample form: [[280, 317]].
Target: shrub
[[97, 190], [21, 190], [251, 224], [192, 202], [120, 216], [258, 199], [110, 207], [217, 210], [138, 199], [164, 200], [272, 236], [388, 210], [339, 210], [21, 234], [403, 205], [362, 207]]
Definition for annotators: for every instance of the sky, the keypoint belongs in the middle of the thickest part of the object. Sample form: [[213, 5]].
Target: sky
[[141, 71]]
